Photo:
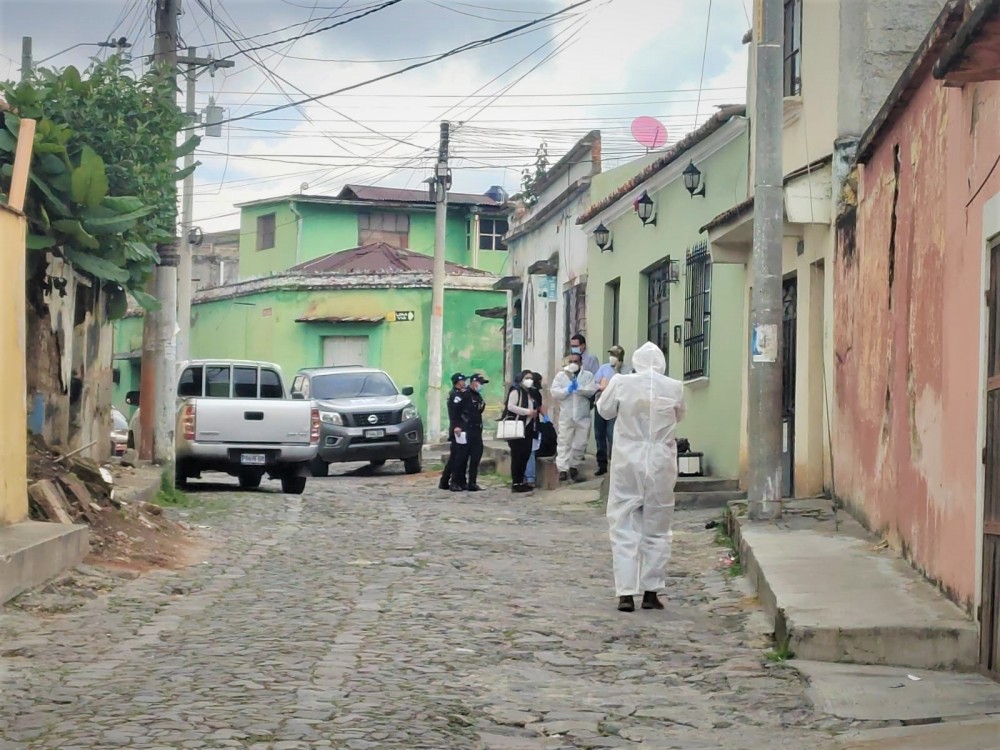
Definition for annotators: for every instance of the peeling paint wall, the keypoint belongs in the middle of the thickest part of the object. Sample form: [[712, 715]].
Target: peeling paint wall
[[908, 339]]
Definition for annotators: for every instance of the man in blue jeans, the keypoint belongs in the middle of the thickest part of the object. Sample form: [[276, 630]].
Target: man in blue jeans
[[604, 429]]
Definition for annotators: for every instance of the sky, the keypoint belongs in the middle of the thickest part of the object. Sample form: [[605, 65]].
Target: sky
[[598, 66]]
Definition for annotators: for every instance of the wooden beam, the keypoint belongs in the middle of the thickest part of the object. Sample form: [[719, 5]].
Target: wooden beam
[[22, 164]]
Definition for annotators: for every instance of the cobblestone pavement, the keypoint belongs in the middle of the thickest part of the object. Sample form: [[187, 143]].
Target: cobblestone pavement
[[379, 612]]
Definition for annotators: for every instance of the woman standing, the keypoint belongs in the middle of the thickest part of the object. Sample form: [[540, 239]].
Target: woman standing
[[522, 406]]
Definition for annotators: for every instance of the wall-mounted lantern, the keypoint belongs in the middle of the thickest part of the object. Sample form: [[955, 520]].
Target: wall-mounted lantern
[[673, 271], [693, 181], [602, 236], [644, 208]]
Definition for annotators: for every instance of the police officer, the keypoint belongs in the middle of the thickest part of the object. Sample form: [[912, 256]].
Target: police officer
[[458, 453], [473, 406]]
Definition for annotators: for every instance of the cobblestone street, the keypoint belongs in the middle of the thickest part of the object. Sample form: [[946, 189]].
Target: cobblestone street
[[379, 612]]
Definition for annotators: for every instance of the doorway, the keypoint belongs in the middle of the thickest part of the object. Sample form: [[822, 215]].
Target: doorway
[[344, 351], [789, 299], [989, 620]]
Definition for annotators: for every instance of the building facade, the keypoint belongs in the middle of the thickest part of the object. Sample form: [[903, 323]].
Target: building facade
[[547, 273], [655, 281], [216, 260]]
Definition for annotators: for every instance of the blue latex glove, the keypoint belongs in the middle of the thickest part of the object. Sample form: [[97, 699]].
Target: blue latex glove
[[573, 387]]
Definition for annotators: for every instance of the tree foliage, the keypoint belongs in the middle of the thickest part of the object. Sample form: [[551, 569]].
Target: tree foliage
[[531, 176], [102, 189]]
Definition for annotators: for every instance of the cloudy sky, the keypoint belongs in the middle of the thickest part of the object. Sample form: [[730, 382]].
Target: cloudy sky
[[598, 66]]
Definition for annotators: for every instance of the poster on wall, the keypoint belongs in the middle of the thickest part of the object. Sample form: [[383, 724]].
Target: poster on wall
[[764, 343]]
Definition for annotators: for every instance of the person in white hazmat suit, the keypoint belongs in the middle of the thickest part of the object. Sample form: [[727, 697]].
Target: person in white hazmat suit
[[647, 406], [572, 387]]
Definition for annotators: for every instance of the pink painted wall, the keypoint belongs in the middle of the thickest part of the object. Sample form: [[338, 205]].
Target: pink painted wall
[[907, 398]]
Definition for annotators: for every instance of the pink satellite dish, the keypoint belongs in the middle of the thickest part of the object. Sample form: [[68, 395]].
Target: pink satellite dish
[[649, 132]]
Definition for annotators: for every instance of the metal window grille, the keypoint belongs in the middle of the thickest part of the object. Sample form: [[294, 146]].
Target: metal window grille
[[658, 321], [575, 320], [697, 312], [491, 233], [793, 47]]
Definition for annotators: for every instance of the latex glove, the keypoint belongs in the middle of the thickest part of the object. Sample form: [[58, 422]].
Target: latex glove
[[574, 386]]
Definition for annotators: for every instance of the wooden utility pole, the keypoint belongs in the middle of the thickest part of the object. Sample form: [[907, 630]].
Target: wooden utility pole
[[158, 380], [764, 413]]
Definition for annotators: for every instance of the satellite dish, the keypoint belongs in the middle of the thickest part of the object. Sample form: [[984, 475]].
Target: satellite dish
[[649, 132]]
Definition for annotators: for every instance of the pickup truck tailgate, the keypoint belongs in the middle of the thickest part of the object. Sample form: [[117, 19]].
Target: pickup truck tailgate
[[252, 421]]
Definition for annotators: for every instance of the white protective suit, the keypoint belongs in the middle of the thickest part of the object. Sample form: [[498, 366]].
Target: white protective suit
[[574, 417], [647, 405]]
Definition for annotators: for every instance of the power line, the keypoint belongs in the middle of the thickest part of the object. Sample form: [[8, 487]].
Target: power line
[[535, 95], [704, 57]]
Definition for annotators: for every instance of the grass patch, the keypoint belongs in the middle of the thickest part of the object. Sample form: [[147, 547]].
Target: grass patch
[[781, 652], [723, 539], [169, 495]]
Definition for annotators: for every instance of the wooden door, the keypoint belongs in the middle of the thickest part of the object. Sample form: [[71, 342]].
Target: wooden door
[[789, 353], [340, 351], [989, 650]]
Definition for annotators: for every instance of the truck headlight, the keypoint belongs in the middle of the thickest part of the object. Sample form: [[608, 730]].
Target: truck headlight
[[410, 412], [331, 417]]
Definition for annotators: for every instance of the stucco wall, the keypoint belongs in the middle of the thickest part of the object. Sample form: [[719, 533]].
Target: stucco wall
[[263, 327], [713, 420], [254, 262], [13, 406], [909, 340]]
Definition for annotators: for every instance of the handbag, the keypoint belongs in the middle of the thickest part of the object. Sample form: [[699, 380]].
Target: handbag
[[510, 429]]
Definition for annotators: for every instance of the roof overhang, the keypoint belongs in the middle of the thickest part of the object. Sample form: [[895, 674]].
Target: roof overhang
[[542, 214], [509, 284], [973, 54], [548, 267], [338, 319], [494, 313]]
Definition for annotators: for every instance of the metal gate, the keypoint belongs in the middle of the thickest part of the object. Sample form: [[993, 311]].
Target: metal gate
[[989, 620], [789, 299]]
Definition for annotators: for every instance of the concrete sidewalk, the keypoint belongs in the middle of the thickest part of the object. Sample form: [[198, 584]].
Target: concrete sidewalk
[[837, 595], [981, 734]]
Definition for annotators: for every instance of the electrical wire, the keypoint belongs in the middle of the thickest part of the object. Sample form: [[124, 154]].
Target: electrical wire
[[704, 58]]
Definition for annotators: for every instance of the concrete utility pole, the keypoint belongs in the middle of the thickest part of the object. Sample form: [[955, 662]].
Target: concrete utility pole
[[185, 269], [158, 381], [25, 56], [764, 413], [440, 184]]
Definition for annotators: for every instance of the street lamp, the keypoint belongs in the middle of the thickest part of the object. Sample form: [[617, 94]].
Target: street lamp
[[602, 236], [692, 180], [644, 207]]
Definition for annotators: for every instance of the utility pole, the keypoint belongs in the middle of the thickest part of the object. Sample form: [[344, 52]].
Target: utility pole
[[25, 57], [184, 272], [440, 184], [158, 380], [764, 413]]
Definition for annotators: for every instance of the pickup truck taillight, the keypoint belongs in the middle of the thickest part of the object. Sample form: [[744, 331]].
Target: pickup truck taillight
[[188, 419], [314, 428]]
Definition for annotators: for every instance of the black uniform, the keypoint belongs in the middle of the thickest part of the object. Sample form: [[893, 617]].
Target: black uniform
[[471, 413], [458, 453]]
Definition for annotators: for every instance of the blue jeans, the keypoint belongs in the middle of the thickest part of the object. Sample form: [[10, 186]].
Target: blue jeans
[[529, 473]]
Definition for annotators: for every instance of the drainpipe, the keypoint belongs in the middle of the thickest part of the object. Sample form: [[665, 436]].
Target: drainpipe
[[298, 232], [475, 240]]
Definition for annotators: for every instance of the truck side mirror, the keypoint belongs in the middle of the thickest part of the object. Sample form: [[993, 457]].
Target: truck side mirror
[[132, 398], [407, 390]]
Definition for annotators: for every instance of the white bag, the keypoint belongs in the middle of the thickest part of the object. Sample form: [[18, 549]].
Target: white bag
[[510, 429]]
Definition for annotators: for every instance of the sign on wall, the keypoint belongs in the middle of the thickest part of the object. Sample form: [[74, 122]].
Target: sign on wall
[[403, 316]]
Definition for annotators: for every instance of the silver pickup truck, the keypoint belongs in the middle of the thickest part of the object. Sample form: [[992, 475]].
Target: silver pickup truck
[[236, 417]]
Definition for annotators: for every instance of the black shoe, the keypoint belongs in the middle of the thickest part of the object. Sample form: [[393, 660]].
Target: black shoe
[[521, 488], [563, 476], [443, 486], [651, 601], [626, 604], [601, 471], [473, 488], [574, 473], [458, 488]]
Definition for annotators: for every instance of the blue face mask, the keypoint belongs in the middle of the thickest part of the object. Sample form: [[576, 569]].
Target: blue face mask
[[575, 350]]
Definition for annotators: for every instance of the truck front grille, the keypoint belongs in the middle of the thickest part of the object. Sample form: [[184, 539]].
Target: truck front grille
[[381, 418]]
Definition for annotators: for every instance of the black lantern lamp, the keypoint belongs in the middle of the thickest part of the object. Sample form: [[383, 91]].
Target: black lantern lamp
[[644, 207], [693, 181], [602, 236]]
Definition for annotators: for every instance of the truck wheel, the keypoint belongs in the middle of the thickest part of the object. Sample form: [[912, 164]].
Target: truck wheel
[[319, 468], [412, 465], [293, 485], [250, 480]]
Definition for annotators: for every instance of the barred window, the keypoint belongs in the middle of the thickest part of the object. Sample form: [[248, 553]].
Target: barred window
[[697, 312], [658, 315]]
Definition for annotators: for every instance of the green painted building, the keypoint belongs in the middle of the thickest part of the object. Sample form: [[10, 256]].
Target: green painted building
[[655, 281], [278, 233], [336, 311]]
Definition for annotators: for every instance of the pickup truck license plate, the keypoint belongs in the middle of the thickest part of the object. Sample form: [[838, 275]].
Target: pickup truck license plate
[[253, 459], [374, 433]]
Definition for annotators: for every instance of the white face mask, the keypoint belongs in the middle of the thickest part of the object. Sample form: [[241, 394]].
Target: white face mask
[[528, 383], [573, 367], [614, 361]]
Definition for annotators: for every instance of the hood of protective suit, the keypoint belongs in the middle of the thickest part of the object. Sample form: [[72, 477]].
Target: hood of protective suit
[[649, 357]]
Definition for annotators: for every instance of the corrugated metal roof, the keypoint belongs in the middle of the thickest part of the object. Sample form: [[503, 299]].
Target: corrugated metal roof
[[400, 195], [379, 258]]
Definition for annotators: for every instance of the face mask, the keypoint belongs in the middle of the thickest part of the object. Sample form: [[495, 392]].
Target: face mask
[[527, 382], [575, 350], [614, 361], [573, 367]]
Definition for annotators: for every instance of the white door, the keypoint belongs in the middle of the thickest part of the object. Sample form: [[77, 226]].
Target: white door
[[345, 350]]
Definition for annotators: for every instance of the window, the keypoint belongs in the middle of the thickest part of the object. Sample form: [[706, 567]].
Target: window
[[270, 385], [793, 47], [383, 226], [575, 319], [491, 233], [353, 385], [658, 300], [613, 310], [217, 381], [190, 384], [697, 312], [265, 232], [245, 382], [301, 385]]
